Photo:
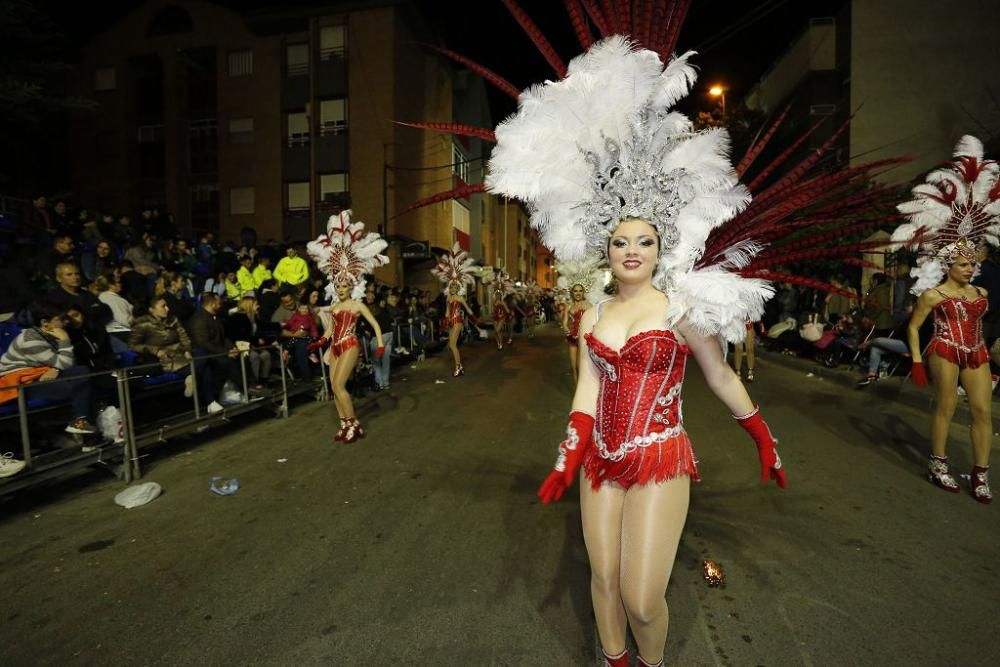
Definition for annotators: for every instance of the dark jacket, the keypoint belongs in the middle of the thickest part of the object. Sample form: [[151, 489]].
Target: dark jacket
[[207, 333], [150, 335], [239, 327]]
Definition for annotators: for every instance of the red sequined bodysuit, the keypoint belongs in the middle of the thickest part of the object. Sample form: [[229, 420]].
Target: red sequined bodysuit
[[639, 433], [573, 335], [958, 331], [500, 313], [343, 331], [454, 314]]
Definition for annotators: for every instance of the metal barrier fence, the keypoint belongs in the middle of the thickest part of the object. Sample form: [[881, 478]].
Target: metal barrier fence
[[125, 455]]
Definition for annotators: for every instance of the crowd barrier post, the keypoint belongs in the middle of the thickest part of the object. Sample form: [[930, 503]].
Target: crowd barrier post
[[244, 359], [284, 380], [194, 390], [131, 451], [121, 382], [22, 415]]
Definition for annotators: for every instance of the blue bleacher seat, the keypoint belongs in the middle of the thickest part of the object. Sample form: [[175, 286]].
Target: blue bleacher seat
[[8, 332]]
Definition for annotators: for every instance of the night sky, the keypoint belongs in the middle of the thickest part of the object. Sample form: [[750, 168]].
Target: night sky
[[737, 40]]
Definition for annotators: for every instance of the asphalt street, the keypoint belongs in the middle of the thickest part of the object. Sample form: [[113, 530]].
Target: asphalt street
[[424, 544]]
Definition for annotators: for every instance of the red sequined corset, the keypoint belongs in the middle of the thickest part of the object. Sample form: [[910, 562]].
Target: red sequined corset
[[454, 313], [573, 335], [958, 331], [343, 331], [639, 403]]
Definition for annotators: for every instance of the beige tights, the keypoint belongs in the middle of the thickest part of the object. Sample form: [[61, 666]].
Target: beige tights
[[632, 539]]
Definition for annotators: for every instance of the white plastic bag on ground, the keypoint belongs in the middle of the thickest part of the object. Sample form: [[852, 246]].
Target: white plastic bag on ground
[[138, 494]]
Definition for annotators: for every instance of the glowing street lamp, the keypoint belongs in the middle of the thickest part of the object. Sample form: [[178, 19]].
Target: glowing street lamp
[[720, 92]]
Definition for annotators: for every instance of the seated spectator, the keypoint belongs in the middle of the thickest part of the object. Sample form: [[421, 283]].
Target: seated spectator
[[68, 294], [119, 327], [233, 291], [92, 346], [302, 320], [208, 337], [43, 353], [61, 220], [262, 272], [244, 277], [38, 224], [242, 328], [292, 270], [46, 262], [123, 233], [134, 285], [159, 337], [174, 288], [217, 284], [98, 261], [184, 260], [877, 347], [15, 276], [206, 248], [295, 341], [143, 256]]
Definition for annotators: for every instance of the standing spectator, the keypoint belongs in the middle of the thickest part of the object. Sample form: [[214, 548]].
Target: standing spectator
[[119, 327], [292, 269], [788, 299], [294, 341], [242, 328], [244, 276], [262, 272], [839, 305], [99, 261], [208, 336], [47, 346], [877, 311], [383, 364], [160, 335]]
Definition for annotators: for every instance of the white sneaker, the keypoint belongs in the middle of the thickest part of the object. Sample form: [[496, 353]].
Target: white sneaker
[[189, 386], [214, 407], [9, 465], [233, 398]]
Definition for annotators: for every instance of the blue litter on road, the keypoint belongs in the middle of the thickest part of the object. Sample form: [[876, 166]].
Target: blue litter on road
[[221, 486]]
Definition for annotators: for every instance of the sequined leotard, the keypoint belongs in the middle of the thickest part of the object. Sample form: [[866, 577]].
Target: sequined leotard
[[455, 315], [639, 433], [343, 331], [573, 335], [958, 331]]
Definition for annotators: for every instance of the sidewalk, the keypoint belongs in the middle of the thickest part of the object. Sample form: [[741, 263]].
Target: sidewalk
[[896, 388]]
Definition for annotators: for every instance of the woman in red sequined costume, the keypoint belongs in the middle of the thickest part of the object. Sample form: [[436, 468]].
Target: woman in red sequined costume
[[503, 318], [571, 325], [455, 321], [340, 320], [957, 353], [952, 216]]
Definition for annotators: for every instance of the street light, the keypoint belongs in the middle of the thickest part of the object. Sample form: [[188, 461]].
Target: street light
[[720, 92]]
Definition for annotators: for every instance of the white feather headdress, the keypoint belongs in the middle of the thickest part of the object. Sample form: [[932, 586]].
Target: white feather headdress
[[588, 273], [345, 253], [457, 268], [603, 144], [954, 213]]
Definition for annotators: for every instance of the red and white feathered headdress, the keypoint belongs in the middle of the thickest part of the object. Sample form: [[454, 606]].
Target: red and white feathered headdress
[[953, 214], [502, 285], [456, 268], [345, 253]]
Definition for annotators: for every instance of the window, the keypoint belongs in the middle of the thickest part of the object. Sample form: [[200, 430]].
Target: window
[[332, 116], [297, 59], [241, 130], [298, 195], [241, 201], [241, 63], [332, 185], [105, 79], [459, 163], [331, 42], [298, 128]]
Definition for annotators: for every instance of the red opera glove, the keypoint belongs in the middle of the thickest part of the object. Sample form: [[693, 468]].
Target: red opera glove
[[919, 374], [571, 450], [770, 462], [379, 351], [316, 344]]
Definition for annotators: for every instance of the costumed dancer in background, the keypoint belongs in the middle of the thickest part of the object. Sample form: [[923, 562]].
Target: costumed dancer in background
[[630, 180], [531, 293], [503, 315], [457, 271], [345, 254], [745, 348], [952, 216], [583, 281]]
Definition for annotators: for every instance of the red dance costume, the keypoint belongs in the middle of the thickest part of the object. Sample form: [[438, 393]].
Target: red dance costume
[[573, 335], [343, 331], [500, 314], [455, 315], [958, 331], [639, 433]]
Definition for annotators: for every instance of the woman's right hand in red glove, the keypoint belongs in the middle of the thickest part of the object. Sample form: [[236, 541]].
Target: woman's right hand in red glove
[[919, 374], [571, 451]]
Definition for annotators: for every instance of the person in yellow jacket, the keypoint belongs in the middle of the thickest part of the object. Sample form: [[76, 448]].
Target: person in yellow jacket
[[262, 271], [232, 287], [292, 269], [244, 277]]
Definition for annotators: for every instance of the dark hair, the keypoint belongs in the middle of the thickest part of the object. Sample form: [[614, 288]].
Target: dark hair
[[287, 292], [268, 284], [210, 297], [44, 310]]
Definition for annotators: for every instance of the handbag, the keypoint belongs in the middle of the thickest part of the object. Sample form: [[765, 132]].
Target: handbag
[[811, 330]]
